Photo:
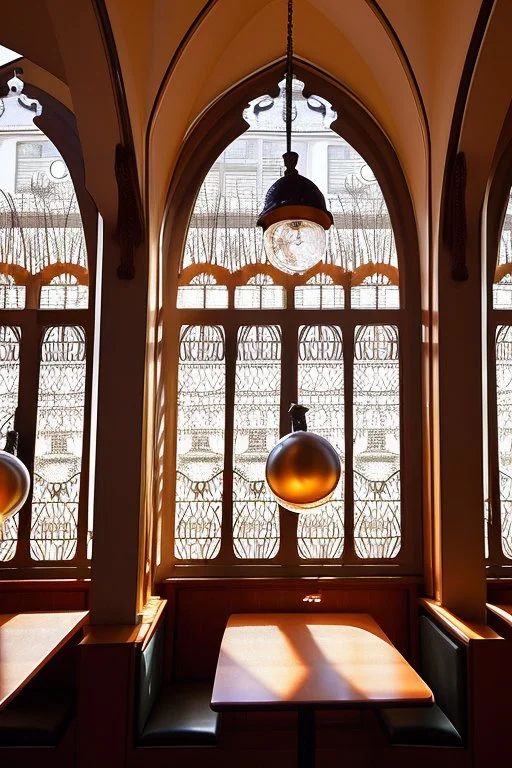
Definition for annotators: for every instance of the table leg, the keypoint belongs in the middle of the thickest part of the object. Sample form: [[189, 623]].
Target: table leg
[[306, 738]]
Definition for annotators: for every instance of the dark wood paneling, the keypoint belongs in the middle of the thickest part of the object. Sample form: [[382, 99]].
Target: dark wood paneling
[[54, 595], [499, 591], [199, 608]]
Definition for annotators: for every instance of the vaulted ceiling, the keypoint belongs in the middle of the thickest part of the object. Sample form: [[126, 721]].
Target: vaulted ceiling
[[404, 61]]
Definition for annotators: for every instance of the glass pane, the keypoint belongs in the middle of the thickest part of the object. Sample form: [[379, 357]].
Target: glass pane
[[222, 230], [64, 292], [59, 439], [260, 293], [202, 293], [504, 406], [9, 379], [200, 442], [256, 431], [320, 388], [41, 225], [12, 296], [376, 292], [320, 292], [502, 288], [377, 523]]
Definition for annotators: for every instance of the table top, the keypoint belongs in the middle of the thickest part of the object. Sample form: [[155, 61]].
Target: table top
[[289, 660], [28, 641]]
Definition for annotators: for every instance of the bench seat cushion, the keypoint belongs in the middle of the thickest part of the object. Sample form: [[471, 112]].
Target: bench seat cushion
[[181, 716], [420, 726], [36, 718]]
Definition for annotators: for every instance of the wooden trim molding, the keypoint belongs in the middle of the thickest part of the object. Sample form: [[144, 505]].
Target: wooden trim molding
[[465, 631]]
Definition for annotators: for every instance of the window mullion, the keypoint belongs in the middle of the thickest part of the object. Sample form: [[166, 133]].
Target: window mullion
[[348, 364], [226, 550], [26, 420], [289, 356]]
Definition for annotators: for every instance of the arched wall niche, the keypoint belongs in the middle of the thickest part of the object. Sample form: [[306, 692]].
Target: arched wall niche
[[219, 126]]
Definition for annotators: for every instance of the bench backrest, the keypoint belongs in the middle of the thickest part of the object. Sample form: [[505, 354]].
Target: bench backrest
[[443, 666], [148, 677]]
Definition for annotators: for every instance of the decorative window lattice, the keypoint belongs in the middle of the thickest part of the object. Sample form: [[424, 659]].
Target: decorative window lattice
[[200, 442], [10, 340], [222, 228], [59, 438], [504, 406], [321, 388], [377, 517], [256, 430], [360, 270]]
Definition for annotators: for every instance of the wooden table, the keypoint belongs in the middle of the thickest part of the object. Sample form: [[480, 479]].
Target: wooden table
[[308, 661], [28, 641]]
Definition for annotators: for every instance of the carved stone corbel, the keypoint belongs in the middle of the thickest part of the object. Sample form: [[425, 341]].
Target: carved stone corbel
[[130, 221]]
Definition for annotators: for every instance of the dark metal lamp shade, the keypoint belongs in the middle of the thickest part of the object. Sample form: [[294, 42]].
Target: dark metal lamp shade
[[294, 197]]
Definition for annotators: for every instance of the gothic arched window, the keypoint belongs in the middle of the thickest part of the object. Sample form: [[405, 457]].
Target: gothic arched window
[[252, 339], [45, 340]]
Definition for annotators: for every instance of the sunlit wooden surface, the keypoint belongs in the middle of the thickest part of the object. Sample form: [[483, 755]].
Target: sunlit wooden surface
[[28, 641], [286, 660]]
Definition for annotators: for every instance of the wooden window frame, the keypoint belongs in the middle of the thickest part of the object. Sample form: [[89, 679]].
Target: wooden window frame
[[202, 148], [497, 564]]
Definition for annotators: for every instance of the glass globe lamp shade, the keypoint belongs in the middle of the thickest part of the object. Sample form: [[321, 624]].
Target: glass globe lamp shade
[[303, 469], [294, 219], [294, 246], [14, 485]]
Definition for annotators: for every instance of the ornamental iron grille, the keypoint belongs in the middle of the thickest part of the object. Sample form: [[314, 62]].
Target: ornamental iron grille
[[10, 340], [59, 438], [504, 413], [376, 442], [321, 389], [200, 446], [269, 338], [43, 266], [255, 432]]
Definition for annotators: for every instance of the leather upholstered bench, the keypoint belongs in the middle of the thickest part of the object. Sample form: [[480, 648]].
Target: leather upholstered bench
[[443, 667], [170, 714], [37, 718]]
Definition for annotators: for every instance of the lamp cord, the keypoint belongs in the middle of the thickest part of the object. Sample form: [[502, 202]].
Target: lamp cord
[[289, 77]]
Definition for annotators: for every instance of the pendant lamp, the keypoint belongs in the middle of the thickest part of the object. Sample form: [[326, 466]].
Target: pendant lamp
[[294, 217], [14, 480], [303, 469]]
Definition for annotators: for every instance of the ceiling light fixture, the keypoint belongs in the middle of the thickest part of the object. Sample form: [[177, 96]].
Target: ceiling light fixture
[[294, 216]]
